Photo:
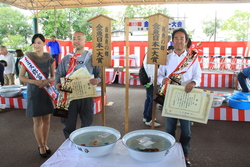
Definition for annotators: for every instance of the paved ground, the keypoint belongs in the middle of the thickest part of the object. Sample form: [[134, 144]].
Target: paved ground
[[216, 144]]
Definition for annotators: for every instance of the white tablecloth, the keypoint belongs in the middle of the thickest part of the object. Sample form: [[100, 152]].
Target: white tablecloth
[[68, 156]]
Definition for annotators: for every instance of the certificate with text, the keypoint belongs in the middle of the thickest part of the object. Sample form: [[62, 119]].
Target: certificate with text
[[194, 106], [81, 87]]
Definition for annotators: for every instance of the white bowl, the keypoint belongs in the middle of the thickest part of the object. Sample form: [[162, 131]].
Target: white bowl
[[11, 86], [217, 101], [140, 141], [222, 94], [95, 141], [10, 92], [24, 87]]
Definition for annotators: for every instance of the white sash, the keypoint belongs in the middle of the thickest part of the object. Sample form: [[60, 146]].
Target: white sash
[[37, 74]]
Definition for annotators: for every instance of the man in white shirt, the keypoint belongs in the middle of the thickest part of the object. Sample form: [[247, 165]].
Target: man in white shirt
[[10, 68], [189, 76]]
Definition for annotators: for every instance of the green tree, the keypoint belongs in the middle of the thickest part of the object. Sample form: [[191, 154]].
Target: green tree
[[79, 17], [13, 22], [63, 22], [55, 22], [144, 10], [133, 11], [237, 25], [14, 41], [209, 26]]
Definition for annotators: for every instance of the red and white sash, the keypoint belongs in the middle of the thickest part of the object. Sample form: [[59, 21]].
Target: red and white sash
[[37, 74], [181, 68], [65, 96], [72, 64], [178, 71]]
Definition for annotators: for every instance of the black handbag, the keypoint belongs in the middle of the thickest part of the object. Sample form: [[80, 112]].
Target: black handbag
[[159, 99], [143, 76], [159, 96], [60, 113]]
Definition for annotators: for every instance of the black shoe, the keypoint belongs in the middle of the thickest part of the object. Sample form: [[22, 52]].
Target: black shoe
[[48, 151], [42, 155]]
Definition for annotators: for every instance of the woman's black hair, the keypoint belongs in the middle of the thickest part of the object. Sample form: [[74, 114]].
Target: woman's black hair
[[37, 36], [4, 62], [19, 53]]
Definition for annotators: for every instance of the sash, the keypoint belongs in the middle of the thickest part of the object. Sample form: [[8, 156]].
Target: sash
[[72, 64], [183, 66], [37, 74], [64, 94]]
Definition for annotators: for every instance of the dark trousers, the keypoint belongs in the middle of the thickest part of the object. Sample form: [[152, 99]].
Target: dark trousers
[[147, 114], [55, 56], [83, 107], [186, 134], [243, 81]]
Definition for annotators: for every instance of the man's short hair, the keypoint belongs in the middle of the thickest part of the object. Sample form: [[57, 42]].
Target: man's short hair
[[3, 47], [81, 33], [180, 30]]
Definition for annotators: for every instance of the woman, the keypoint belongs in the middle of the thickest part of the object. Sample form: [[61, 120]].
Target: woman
[[3, 64], [40, 68], [19, 55]]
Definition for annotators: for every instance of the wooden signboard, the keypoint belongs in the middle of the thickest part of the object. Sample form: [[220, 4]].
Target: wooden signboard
[[101, 40], [157, 39]]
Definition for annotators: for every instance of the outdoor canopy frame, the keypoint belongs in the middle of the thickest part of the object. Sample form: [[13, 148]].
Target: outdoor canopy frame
[[35, 5]]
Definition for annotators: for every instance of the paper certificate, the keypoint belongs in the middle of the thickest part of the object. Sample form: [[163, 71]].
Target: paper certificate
[[81, 87], [194, 106]]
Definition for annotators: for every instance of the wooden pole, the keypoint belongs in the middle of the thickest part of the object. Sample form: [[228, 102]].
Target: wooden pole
[[101, 56], [154, 103], [127, 76], [103, 92]]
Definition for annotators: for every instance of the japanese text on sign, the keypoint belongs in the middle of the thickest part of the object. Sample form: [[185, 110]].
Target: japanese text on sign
[[138, 25], [102, 44], [175, 25], [158, 42], [142, 25]]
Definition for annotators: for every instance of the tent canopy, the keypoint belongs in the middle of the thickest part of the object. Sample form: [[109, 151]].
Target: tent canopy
[[60, 4]]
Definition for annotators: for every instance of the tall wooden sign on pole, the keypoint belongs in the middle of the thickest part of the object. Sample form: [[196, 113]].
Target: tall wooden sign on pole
[[101, 40], [157, 47], [101, 50], [157, 39]]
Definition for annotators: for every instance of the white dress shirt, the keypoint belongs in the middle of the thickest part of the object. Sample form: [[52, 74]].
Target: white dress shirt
[[150, 70], [10, 69], [173, 60]]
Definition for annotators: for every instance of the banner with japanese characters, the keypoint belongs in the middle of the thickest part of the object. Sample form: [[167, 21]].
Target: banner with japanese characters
[[138, 25], [175, 24]]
